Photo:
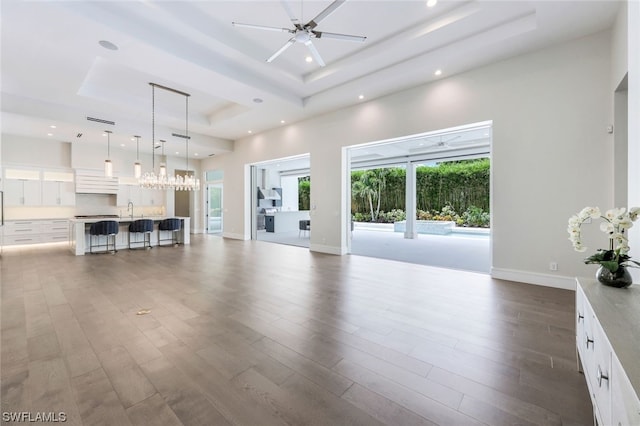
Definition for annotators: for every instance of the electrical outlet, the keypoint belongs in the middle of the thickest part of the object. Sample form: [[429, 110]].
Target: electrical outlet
[[553, 266]]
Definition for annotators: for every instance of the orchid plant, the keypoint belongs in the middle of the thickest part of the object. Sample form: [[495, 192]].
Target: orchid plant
[[615, 223]]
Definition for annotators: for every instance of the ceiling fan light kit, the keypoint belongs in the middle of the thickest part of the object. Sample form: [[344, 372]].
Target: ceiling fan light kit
[[305, 33]]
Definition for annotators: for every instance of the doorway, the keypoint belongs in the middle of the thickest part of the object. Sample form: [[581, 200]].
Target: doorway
[[214, 208], [424, 198], [213, 202]]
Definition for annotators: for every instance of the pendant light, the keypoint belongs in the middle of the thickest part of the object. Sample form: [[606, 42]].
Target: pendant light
[[108, 166], [137, 167], [162, 181], [163, 164]]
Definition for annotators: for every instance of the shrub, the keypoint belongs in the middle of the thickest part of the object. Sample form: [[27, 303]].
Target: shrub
[[476, 217], [361, 217], [395, 215]]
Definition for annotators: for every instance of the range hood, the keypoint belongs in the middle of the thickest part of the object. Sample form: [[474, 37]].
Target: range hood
[[268, 194]]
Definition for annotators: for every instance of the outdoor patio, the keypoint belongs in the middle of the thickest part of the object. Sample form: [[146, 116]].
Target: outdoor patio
[[468, 250]]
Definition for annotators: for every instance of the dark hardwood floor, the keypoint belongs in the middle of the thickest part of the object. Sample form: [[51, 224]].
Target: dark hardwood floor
[[253, 333]]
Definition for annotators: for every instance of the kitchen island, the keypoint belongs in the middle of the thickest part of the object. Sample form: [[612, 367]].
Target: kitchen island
[[285, 221], [79, 232]]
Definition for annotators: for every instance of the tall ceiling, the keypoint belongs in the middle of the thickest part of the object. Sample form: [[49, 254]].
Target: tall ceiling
[[55, 70]]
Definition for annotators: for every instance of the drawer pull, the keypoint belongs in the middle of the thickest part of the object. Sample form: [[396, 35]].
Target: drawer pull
[[580, 317], [589, 341], [600, 376]]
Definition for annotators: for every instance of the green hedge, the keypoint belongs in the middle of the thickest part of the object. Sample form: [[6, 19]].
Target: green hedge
[[462, 185]]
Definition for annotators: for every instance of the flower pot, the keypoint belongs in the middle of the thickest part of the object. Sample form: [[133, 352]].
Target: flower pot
[[620, 279]]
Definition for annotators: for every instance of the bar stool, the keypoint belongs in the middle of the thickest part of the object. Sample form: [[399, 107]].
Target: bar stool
[[144, 227], [304, 226], [169, 225], [108, 228]]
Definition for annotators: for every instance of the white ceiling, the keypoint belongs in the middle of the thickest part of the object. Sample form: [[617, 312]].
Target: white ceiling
[[55, 72]]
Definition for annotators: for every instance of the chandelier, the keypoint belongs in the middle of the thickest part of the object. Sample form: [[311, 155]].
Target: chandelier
[[151, 180]]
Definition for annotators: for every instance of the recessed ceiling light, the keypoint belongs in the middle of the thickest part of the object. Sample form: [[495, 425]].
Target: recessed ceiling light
[[282, 122], [177, 153], [107, 45], [49, 134], [122, 144], [431, 3], [438, 72], [308, 59], [53, 126], [196, 154], [361, 97], [249, 131]]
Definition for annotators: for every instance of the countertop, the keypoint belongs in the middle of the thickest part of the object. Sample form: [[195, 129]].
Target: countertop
[[287, 212], [123, 219]]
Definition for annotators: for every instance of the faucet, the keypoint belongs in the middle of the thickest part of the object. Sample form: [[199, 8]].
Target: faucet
[[130, 205]]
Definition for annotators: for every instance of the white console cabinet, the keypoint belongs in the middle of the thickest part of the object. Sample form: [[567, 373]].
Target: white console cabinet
[[608, 347]]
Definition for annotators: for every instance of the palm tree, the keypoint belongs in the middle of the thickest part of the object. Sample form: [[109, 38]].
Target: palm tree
[[369, 187]]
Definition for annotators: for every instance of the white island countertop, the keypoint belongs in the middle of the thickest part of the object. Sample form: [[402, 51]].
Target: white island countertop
[[79, 231]]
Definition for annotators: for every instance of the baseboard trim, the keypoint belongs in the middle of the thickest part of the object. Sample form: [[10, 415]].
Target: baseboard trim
[[320, 248], [567, 283], [234, 236]]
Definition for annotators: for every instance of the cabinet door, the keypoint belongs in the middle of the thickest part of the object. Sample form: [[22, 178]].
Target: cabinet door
[[601, 374], [13, 192], [152, 197], [58, 193], [22, 192], [625, 406], [128, 194]]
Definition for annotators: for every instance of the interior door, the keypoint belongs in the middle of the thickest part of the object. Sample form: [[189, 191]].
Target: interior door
[[214, 208]]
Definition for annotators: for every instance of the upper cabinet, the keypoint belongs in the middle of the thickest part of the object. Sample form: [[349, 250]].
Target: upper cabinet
[[58, 189], [33, 187], [22, 187]]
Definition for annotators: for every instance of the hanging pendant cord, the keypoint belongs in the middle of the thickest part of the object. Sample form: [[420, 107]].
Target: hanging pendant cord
[[186, 129], [153, 127]]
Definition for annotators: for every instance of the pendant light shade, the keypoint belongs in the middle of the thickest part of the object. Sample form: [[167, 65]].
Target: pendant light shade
[[163, 159], [137, 167], [108, 166]]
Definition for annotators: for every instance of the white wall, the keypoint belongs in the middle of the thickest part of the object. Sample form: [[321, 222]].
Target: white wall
[[633, 183], [34, 152], [551, 153]]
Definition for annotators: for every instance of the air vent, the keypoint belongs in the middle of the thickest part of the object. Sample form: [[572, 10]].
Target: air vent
[[100, 120], [79, 135], [178, 135]]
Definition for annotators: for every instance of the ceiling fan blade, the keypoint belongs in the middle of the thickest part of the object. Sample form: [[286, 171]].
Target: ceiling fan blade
[[282, 49], [321, 34], [315, 53], [261, 27], [328, 11], [295, 21]]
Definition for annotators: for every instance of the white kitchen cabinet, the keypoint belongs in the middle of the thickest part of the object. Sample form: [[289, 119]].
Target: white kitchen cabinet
[[22, 192], [152, 197], [58, 193], [128, 194], [36, 231], [608, 346]]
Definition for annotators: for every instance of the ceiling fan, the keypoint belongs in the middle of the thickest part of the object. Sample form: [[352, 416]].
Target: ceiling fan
[[305, 33]]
